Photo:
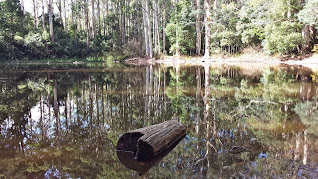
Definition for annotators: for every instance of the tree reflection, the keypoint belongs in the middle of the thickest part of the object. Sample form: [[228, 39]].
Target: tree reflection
[[60, 122]]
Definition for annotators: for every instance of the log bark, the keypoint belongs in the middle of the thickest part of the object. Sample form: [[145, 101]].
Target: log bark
[[150, 141]]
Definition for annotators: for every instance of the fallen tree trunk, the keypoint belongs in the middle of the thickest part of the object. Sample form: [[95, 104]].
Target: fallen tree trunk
[[150, 141]]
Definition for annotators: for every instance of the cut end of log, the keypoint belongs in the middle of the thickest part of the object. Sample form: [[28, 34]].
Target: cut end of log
[[128, 141], [144, 151]]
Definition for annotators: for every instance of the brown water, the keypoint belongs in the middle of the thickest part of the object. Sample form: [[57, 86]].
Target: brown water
[[63, 121]]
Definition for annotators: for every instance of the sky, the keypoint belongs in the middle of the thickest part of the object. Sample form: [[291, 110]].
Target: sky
[[28, 6]]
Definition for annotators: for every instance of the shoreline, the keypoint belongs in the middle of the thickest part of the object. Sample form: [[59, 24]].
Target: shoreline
[[259, 60]]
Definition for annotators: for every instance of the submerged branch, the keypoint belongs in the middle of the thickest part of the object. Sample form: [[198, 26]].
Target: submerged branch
[[251, 102]]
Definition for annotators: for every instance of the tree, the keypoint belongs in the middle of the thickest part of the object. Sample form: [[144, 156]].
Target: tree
[[207, 25], [12, 18], [93, 19], [147, 21], [309, 16], [198, 27], [87, 24], [50, 5], [181, 29], [35, 10]]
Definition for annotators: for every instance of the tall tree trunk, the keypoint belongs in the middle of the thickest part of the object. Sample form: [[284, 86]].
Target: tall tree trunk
[[106, 26], [154, 31], [35, 7], [51, 20], [22, 6], [207, 24], [198, 27], [60, 11], [104, 22], [149, 29], [64, 19], [157, 27], [120, 21], [124, 24], [74, 22], [93, 19], [98, 17], [309, 36], [164, 31], [87, 24], [42, 17], [44, 26], [145, 24]]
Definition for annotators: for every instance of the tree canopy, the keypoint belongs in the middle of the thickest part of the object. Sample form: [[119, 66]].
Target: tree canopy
[[67, 28]]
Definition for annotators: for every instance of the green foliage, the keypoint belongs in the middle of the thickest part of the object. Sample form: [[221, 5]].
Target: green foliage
[[12, 17], [282, 38], [181, 28], [226, 41], [33, 43], [274, 24], [315, 49], [309, 14]]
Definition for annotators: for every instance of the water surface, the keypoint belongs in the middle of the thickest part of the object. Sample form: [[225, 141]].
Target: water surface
[[64, 120]]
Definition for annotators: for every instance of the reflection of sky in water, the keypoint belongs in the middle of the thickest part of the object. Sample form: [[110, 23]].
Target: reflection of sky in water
[[262, 155]]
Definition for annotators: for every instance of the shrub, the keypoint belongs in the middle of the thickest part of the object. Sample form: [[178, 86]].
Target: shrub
[[34, 46], [284, 38], [132, 49], [226, 41]]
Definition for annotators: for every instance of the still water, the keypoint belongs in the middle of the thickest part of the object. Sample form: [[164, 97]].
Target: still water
[[64, 120]]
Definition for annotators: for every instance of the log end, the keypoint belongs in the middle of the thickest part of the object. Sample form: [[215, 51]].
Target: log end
[[129, 141], [144, 151]]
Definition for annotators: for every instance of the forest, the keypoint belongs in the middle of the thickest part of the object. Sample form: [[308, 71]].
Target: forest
[[118, 29]]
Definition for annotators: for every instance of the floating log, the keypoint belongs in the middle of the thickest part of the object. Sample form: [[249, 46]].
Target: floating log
[[148, 142]]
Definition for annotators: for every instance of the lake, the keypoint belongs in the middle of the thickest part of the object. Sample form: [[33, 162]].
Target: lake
[[64, 120]]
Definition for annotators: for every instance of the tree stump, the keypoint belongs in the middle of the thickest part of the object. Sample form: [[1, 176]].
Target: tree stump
[[148, 142]]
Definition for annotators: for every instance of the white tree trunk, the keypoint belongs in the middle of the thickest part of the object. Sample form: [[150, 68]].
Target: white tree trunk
[[207, 24], [198, 27], [51, 20], [145, 24], [93, 19], [149, 30]]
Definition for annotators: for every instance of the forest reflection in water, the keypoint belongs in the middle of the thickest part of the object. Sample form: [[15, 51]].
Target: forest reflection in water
[[64, 121]]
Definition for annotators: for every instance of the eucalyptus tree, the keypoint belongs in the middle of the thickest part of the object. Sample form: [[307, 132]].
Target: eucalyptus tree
[[198, 27], [207, 25], [50, 9], [35, 14], [93, 19], [60, 11], [87, 24]]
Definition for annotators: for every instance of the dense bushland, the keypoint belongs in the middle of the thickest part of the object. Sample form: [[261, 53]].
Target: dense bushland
[[155, 27]]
